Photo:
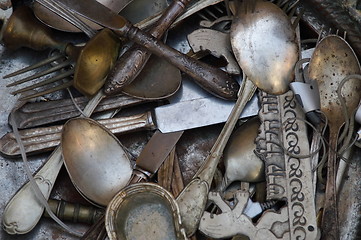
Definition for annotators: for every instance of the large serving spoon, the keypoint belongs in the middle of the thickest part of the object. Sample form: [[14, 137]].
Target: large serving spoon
[[253, 35], [95, 160], [332, 61]]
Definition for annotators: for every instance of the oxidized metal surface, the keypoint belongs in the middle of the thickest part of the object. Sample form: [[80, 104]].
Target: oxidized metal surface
[[144, 211], [268, 146]]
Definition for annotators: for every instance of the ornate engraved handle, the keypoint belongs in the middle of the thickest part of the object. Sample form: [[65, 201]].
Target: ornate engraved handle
[[24, 210], [37, 140]]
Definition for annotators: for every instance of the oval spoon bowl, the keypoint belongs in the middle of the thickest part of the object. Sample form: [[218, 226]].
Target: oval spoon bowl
[[95, 160]]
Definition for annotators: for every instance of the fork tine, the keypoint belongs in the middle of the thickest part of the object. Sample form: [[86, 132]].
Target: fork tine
[[47, 81], [43, 73], [57, 88], [37, 65]]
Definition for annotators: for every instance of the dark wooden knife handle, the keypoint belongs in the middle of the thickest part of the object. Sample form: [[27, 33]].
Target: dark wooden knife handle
[[213, 80], [134, 59]]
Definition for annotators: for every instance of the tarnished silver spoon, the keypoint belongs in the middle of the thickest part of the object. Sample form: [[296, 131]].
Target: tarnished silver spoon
[[253, 32], [332, 61], [95, 160]]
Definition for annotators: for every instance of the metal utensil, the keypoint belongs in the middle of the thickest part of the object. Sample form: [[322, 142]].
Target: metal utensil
[[92, 65], [147, 164], [34, 114], [23, 211], [333, 60], [249, 28], [130, 64], [213, 80], [240, 161], [91, 152], [203, 110], [133, 212], [54, 21]]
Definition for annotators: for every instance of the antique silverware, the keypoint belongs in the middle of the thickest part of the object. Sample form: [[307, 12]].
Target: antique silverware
[[212, 79], [332, 61], [133, 212], [24, 210], [130, 64], [147, 164], [192, 199], [54, 21], [203, 111], [33, 114], [240, 161], [217, 43], [92, 62], [91, 151]]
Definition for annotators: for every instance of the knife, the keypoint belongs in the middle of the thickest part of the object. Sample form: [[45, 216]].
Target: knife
[[147, 164], [191, 107], [33, 114], [210, 78]]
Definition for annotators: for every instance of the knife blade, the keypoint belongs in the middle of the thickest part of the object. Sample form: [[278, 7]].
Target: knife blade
[[153, 155], [210, 78]]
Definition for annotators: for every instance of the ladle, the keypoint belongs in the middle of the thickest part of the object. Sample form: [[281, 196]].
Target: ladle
[[332, 61], [95, 160], [255, 35]]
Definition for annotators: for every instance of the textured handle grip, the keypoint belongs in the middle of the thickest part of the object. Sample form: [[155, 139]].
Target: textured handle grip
[[211, 79], [47, 138], [132, 62]]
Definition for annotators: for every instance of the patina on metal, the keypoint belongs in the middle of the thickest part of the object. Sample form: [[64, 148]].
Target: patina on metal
[[144, 211], [332, 61]]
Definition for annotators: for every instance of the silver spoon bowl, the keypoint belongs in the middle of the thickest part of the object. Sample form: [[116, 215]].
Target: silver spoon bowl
[[95, 160]]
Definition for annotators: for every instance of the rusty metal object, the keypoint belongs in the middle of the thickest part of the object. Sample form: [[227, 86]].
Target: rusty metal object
[[331, 62]]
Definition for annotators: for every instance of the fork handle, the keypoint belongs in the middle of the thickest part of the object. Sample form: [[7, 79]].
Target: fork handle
[[132, 61], [47, 138]]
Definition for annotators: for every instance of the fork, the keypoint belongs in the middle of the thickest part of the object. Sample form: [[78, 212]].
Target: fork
[[63, 60]]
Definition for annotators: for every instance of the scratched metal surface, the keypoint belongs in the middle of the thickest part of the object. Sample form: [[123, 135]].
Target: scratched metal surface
[[192, 149]]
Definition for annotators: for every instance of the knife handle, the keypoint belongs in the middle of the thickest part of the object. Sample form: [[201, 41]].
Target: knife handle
[[212, 79], [47, 138], [132, 61]]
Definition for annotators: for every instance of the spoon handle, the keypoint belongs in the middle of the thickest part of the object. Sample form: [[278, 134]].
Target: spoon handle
[[330, 225], [132, 61], [43, 139], [192, 200], [24, 210]]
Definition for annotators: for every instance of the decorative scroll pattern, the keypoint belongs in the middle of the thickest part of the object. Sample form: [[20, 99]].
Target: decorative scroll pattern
[[301, 203], [288, 177]]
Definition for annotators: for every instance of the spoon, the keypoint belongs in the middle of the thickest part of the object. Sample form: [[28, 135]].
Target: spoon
[[95, 160], [240, 161], [253, 34], [333, 60]]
